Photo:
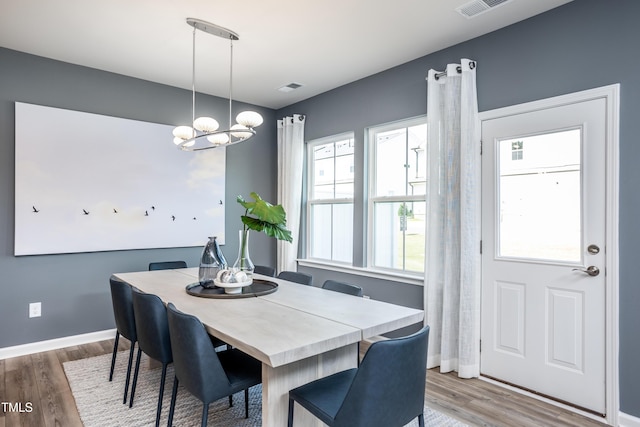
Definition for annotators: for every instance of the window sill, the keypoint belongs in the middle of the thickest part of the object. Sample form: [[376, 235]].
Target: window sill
[[366, 272]]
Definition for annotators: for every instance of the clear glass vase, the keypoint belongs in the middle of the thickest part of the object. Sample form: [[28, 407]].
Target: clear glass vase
[[211, 261], [244, 263]]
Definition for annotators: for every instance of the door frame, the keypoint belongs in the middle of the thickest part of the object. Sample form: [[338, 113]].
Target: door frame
[[611, 94]]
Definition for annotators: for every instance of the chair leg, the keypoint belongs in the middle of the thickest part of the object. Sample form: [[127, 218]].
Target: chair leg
[[246, 403], [421, 420], [126, 383], [290, 417], [205, 414], [230, 400], [172, 405], [135, 377], [113, 357], [161, 393]]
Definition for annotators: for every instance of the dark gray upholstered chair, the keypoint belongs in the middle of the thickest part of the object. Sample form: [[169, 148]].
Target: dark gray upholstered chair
[[345, 288], [265, 270], [294, 276], [153, 338], [205, 373], [387, 390], [166, 265], [125, 324]]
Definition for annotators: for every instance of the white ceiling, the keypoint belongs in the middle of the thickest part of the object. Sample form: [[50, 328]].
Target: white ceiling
[[319, 44]]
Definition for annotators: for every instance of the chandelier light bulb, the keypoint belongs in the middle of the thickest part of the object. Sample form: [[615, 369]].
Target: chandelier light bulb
[[184, 132], [218, 139], [241, 131], [250, 119], [206, 124]]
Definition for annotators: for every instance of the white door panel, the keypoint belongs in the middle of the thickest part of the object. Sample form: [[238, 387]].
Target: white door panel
[[543, 318]]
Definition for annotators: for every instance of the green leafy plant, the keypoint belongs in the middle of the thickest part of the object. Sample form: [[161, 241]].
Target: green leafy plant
[[262, 216]]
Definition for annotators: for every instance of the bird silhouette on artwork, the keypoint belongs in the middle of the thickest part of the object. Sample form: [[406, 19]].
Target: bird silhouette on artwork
[[85, 212], [115, 211], [153, 208], [35, 210], [220, 202], [173, 218], [194, 218], [146, 213]]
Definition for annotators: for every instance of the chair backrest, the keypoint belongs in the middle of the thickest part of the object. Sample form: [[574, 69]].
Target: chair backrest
[[121, 299], [265, 270], [345, 288], [152, 326], [389, 386], [294, 276], [195, 361], [167, 265]]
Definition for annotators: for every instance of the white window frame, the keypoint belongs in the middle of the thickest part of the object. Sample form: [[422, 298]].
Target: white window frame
[[333, 201], [373, 199]]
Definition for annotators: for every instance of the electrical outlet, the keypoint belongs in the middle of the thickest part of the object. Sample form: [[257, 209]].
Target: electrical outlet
[[35, 309]]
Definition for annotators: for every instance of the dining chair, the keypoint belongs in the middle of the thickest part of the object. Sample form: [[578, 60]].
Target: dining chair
[[121, 298], [265, 270], [166, 265], [345, 288], [153, 338], [205, 373], [294, 276], [387, 389]]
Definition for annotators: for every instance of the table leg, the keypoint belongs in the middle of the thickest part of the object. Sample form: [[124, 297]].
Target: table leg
[[276, 383]]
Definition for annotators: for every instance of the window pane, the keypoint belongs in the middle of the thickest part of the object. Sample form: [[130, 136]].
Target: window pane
[[323, 179], [320, 244], [343, 232], [417, 160], [332, 232], [540, 197], [391, 157], [399, 235], [333, 170], [401, 161]]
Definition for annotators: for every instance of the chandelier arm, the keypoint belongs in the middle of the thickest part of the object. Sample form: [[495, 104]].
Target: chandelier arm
[[192, 143]]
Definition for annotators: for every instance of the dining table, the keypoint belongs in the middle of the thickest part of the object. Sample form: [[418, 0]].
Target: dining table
[[299, 333]]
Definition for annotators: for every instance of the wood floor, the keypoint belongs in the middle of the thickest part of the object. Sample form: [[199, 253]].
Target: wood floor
[[40, 379]]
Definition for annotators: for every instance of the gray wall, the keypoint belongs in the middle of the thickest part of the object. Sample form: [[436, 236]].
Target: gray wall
[[74, 288], [581, 45]]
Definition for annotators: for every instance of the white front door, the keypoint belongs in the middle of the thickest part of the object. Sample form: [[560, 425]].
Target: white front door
[[543, 262]]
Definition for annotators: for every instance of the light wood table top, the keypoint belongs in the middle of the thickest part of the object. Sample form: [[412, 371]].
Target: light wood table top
[[272, 333]]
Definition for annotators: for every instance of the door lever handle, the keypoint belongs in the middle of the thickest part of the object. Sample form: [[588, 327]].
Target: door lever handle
[[592, 270]]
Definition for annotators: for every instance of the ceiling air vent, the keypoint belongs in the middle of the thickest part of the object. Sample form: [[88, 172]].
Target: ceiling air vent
[[289, 87], [477, 7]]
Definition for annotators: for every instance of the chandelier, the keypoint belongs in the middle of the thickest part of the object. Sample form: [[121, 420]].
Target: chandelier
[[204, 132]]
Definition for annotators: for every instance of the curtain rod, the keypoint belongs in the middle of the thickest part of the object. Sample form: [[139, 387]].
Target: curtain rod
[[472, 65]]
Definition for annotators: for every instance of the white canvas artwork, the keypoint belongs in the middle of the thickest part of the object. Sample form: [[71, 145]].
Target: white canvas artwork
[[86, 183]]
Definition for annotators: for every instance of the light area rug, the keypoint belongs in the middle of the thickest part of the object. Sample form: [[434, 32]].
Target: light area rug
[[99, 401]]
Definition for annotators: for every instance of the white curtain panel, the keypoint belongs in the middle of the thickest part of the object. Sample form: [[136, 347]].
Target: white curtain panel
[[290, 164], [452, 261]]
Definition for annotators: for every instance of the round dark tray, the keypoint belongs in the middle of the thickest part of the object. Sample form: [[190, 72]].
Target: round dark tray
[[257, 288]]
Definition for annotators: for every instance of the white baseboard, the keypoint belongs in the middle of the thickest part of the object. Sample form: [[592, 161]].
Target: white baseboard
[[37, 347], [625, 420]]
